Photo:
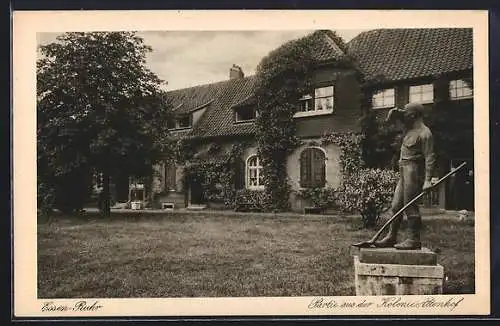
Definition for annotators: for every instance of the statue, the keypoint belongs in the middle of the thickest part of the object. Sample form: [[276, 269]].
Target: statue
[[416, 166]]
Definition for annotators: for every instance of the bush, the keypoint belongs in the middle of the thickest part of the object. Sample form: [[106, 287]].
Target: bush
[[67, 193], [323, 198], [368, 192], [252, 200]]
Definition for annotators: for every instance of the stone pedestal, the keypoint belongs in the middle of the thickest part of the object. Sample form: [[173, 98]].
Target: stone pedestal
[[388, 271]]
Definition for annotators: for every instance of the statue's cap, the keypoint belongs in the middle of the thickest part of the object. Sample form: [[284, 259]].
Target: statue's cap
[[414, 107]]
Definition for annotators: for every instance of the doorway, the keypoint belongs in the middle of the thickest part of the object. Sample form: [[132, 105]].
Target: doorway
[[196, 193]]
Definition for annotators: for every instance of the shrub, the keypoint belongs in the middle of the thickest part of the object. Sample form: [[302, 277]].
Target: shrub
[[67, 193], [252, 200], [368, 192], [323, 198]]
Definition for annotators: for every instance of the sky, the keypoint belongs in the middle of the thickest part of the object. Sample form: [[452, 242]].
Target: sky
[[190, 58]]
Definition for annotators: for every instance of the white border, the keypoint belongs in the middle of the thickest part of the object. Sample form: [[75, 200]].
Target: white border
[[27, 23]]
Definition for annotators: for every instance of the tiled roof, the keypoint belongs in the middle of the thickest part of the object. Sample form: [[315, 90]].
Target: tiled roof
[[190, 99], [402, 54], [397, 54], [325, 47], [220, 98], [218, 120]]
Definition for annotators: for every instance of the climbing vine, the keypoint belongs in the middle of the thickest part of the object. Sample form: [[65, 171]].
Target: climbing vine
[[217, 174], [350, 161], [351, 154], [283, 77]]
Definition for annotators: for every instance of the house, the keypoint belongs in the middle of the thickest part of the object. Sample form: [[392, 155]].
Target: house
[[409, 65]]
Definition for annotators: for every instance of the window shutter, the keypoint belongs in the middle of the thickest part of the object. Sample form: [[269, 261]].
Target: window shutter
[[312, 168], [170, 177], [239, 178], [318, 168], [305, 168]]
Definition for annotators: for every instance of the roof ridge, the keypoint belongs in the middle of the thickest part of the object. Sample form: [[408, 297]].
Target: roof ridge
[[220, 82]]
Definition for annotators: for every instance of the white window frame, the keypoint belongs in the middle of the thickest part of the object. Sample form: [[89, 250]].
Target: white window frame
[[383, 93], [314, 112], [236, 120], [453, 86], [421, 92], [258, 168]]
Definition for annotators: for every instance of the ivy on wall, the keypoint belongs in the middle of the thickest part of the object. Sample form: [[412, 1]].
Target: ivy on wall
[[350, 161], [283, 77], [217, 174]]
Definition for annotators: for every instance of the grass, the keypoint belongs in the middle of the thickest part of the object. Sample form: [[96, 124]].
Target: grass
[[226, 255]]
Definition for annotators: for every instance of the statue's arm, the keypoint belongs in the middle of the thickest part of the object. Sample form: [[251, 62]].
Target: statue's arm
[[429, 155]]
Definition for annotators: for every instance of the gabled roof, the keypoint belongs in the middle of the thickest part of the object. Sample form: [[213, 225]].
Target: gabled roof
[[219, 119], [327, 46], [402, 54]]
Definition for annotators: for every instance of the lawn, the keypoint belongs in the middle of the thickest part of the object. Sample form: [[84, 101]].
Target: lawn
[[207, 255]]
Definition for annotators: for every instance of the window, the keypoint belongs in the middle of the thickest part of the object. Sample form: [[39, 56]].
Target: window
[[312, 168], [184, 122], [254, 173], [171, 124], [179, 123], [422, 93], [384, 98], [459, 89], [321, 103], [323, 98], [170, 176], [244, 114]]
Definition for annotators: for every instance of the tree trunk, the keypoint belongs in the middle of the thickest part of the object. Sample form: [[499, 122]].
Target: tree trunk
[[105, 206]]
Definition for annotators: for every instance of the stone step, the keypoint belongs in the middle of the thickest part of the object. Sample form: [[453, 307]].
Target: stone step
[[423, 256]]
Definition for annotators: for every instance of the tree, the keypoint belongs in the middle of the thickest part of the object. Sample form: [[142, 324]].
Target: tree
[[100, 109]]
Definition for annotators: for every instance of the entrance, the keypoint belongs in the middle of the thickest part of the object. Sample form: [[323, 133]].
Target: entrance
[[196, 193], [461, 186]]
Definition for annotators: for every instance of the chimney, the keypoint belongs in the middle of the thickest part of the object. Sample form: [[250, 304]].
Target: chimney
[[236, 72]]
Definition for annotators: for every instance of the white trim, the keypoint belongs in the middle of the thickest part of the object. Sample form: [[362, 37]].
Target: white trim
[[312, 113], [258, 167], [318, 147], [239, 122]]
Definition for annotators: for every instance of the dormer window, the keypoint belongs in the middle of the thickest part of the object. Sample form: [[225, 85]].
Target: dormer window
[[170, 124], [183, 122], [322, 102], [245, 114]]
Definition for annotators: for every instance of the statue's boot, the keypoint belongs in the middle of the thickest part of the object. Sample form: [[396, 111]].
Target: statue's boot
[[390, 239], [413, 240]]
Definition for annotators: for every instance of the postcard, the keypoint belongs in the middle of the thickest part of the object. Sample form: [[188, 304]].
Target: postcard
[[250, 163]]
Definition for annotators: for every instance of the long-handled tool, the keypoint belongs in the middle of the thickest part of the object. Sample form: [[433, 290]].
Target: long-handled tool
[[371, 242]]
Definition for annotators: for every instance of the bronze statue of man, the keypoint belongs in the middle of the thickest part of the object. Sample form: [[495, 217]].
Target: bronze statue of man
[[416, 166]]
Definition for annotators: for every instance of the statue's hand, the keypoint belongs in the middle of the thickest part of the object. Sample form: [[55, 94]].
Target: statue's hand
[[393, 114], [427, 185]]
